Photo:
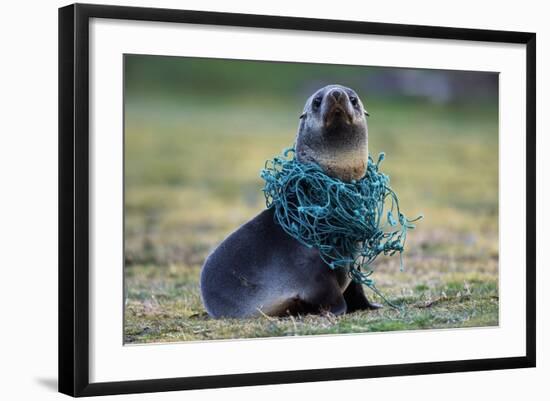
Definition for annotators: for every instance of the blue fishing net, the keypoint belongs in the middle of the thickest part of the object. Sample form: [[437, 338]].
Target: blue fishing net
[[350, 224]]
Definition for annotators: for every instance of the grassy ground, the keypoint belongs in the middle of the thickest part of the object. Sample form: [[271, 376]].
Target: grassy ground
[[192, 177]]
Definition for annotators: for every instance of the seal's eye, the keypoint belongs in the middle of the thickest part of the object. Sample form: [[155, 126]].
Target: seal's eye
[[317, 102], [353, 100]]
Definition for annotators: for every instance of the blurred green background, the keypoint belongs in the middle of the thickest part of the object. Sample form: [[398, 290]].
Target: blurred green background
[[198, 132]]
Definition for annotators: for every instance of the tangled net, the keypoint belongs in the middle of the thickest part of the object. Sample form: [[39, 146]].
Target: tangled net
[[346, 222]]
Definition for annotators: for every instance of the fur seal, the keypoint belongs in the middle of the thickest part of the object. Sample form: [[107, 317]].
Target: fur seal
[[259, 269]]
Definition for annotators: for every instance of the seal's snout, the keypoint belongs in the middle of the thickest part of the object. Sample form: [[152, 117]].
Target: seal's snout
[[338, 110]]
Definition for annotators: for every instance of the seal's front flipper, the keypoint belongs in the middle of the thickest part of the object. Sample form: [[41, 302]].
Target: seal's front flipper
[[324, 295], [357, 300]]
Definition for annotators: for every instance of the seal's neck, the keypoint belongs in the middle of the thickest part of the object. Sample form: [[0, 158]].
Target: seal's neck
[[346, 161], [345, 165]]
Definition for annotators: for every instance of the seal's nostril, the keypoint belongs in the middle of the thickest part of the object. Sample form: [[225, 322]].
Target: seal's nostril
[[336, 94]]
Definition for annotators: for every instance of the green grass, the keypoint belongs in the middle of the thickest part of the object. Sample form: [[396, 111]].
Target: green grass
[[192, 177], [164, 305]]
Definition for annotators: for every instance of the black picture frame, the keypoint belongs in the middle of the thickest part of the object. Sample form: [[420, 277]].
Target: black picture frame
[[74, 198]]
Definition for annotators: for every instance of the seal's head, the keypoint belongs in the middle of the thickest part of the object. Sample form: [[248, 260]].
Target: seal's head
[[333, 133]]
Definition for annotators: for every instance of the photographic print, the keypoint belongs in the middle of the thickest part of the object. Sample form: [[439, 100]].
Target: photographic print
[[272, 199], [237, 190]]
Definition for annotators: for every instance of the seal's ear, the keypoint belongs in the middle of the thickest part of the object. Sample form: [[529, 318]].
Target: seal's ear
[[302, 116], [367, 113]]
